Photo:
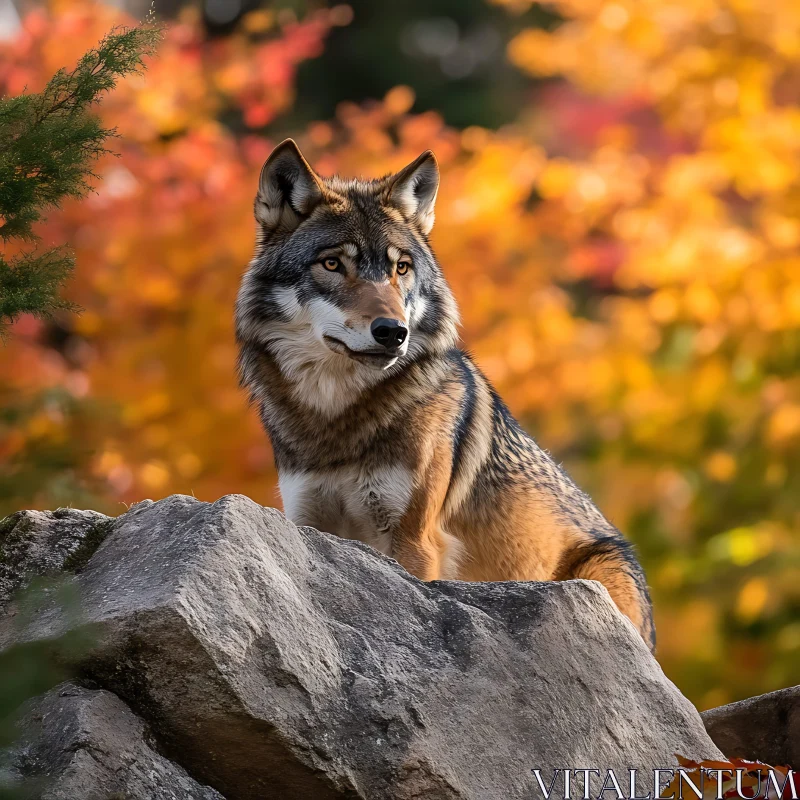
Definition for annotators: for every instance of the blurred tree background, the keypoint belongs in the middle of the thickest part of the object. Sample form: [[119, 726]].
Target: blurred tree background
[[619, 217]]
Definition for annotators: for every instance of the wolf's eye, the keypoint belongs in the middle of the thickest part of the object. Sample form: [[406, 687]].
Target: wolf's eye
[[331, 264], [403, 267]]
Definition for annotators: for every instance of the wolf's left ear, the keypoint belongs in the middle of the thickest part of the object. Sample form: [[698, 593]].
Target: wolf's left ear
[[413, 190], [288, 189]]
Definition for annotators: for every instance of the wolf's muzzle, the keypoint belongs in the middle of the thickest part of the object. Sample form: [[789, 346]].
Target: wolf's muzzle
[[388, 332]]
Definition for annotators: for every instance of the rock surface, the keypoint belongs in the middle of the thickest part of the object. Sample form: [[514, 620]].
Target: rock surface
[[80, 743], [765, 728], [276, 661], [42, 543]]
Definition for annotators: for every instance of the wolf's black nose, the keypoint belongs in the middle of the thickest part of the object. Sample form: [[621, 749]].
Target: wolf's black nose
[[388, 332]]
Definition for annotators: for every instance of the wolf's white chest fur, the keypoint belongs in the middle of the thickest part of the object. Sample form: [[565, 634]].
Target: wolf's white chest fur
[[351, 502]]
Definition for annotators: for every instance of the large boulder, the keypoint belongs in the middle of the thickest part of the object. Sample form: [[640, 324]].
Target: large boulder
[[79, 743], [765, 728], [44, 543], [277, 661]]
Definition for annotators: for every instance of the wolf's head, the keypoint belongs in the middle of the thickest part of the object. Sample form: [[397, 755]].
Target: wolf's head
[[344, 283]]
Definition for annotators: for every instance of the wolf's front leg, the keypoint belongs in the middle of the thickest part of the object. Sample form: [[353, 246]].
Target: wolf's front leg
[[419, 543], [421, 554]]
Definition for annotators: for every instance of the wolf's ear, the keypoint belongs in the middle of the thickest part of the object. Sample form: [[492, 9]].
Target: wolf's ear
[[413, 190], [288, 189]]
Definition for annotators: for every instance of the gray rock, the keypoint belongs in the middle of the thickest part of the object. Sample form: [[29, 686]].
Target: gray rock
[[80, 743], [43, 543], [283, 662], [765, 728]]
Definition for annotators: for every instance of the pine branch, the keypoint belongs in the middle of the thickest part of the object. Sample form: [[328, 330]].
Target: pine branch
[[30, 284], [48, 143]]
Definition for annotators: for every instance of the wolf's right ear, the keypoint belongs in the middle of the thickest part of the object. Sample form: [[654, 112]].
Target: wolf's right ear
[[288, 189], [413, 190]]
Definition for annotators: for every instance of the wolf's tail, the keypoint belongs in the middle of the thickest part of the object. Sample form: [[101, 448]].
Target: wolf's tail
[[612, 561]]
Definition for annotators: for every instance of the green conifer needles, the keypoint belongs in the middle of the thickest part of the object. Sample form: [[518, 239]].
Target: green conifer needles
[[48, 144]]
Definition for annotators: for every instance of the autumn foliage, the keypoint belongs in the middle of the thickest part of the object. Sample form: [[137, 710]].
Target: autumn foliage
[[625, 256]]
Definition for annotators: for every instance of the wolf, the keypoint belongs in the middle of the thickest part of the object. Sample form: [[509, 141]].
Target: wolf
[[383, 430]]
